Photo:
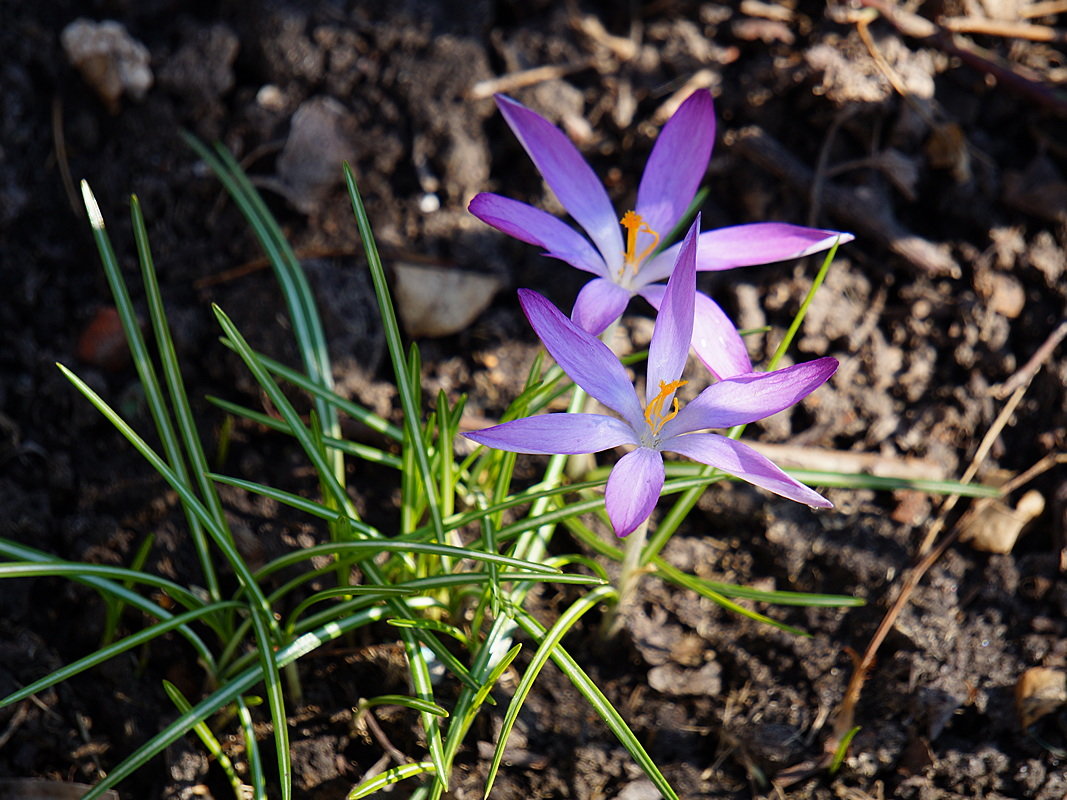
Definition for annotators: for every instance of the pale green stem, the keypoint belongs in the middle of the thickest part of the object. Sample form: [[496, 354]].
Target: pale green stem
[[629, 578]]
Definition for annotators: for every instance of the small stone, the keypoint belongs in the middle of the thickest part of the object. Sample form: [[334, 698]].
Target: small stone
[[438, 301], [111, 61]]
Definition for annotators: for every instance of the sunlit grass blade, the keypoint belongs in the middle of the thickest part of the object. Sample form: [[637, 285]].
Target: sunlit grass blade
[[296, 426], [603, 707], [422, 684], [407, 392], [146, 373], [416, 703], [125, 575], [208, 739], [858, 480], [389, 777], [112, 589], [547, 643], [256, 776], [362, 451], [233, 689], [299, 299], [107, 653], [432, 625], [353, 410]]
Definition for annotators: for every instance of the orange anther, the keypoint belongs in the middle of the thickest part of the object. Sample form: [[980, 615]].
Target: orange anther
[[635, 224], [654, 415]]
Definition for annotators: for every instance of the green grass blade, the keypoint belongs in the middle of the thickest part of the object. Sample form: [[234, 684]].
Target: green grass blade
[[354, 410], [230, 691], [296, 426], [422, 684], [256, 776], [207, 738], [603, 707], [362, 451], [412, 413], [389, 777], [112, 650], [405, 701], [113, 589], [146, 374], [299, 299], [547, 644]]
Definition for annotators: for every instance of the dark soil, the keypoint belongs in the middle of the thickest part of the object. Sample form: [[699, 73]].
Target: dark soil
[[955, 191]]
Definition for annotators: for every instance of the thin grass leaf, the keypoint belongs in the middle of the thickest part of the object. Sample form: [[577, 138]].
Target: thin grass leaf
[[299, 299], [603, 707], [406, 391], [113, 650], [405, 701], [432, 625], [231, 690], [842, 750], [208, 739], [353, 410], [334, 488], [373, 594], [110, 588], [115, 609], [389, 777], [547, 644], [857, 480], [256, 777], [57, 568], [422, 684], [361, 451], [146, 373]]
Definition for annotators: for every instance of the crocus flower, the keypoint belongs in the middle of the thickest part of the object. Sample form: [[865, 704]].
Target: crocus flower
[[661, 424], [625, 265]]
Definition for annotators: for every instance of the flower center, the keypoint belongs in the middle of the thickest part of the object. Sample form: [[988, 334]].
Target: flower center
[[635, 224], [654, 415]]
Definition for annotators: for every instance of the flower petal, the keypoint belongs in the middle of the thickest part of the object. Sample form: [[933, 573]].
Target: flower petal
[[585, 358], [746, 246], [599, 303], [716, 341], [673, 331], [556, 433], [745, 463], [568, 175], [633, 489], [746, 398], [677, 163], [534, 226], [762, 243]]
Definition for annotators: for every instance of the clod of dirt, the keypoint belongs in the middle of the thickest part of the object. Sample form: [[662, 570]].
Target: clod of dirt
[[995, 527], [433, 301], [111, 61], [1039, 691]]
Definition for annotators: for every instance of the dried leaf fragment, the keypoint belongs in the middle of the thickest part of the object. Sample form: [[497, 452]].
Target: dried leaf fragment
[[1039, 691], [995, 526]]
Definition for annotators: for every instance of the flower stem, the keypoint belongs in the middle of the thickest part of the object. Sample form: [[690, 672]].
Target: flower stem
[[632, 571]]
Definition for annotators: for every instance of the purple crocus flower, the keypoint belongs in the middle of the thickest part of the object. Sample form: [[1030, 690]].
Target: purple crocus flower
[[661, 424], [625, 266]]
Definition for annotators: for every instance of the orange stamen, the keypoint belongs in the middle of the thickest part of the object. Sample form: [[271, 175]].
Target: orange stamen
[[635, 224], [654, 415]]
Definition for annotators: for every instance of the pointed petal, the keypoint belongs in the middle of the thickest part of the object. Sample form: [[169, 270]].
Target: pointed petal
[[633, 489], [557, 433], [716, 341], [677, 163], [745, 463], [746, 398], [585, 358], [568, 175], [599, 304], [673, 332], [745, 246], [761, 243], [534, 226]]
